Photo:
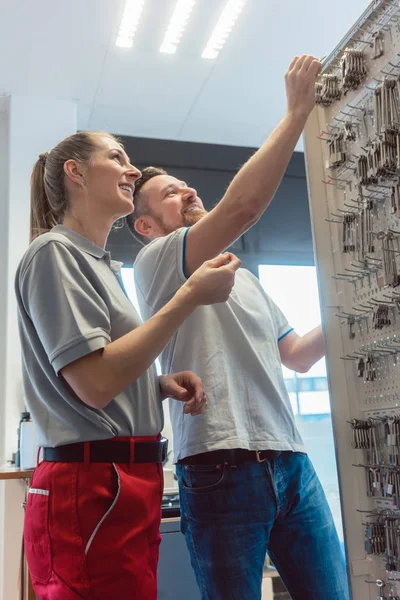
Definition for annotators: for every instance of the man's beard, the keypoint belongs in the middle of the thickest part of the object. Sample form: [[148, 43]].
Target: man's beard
[[191, 218], [188, 219]]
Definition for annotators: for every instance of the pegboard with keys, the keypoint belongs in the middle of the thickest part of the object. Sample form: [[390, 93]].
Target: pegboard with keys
[[352, 148]]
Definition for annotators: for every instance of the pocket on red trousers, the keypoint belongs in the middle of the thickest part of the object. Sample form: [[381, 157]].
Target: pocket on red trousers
[[36, 535]]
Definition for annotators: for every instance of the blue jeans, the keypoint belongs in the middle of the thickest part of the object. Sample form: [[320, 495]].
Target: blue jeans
[[232, 516]]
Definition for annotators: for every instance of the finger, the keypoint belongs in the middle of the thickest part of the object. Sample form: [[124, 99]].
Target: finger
[[177, 391], [234, 262], [199, 408], [199, 412], [197, 386], [219, 260], [189, 406], [293, 63], [299, 62], [195, 406], [315, 67], [306, 63], [200, 403], [193, 384]]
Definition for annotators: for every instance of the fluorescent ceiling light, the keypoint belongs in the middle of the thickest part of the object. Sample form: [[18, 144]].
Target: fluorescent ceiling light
[[223, 28], [129, 23], [176, 26]]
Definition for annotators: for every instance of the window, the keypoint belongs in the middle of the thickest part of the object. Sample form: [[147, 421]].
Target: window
[[295, 290]]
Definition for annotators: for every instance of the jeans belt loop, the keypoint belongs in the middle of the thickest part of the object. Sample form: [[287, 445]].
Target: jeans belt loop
[[258, 457]]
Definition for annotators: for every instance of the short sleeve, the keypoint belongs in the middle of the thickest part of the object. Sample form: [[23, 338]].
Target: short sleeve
[[70, 317], [282, 325], [159, 271], [279, 321]]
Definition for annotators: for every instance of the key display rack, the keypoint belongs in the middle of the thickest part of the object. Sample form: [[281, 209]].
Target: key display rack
[[352, 150]]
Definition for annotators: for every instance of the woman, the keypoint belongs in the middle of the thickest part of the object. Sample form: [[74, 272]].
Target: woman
[[93, 509]]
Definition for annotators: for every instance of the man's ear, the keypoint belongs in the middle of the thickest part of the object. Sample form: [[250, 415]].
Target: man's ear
[[145, 226]]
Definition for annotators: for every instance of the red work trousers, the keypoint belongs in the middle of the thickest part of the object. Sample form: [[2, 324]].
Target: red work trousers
[[92, 530]]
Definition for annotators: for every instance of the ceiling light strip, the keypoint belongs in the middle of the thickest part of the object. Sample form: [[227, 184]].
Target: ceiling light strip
[[223, 28], [177, 25], [129, 23]]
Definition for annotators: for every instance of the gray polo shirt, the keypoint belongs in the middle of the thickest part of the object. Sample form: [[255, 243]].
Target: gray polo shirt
[[233, 347], [70, 303]]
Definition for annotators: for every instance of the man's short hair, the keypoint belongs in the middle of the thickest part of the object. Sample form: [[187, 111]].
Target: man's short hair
[[140, 202]]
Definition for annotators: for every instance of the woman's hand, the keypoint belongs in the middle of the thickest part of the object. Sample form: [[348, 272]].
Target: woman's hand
[[187, 387]]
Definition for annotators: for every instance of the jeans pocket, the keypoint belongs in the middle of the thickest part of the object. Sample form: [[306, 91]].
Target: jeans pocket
[[203, 478], [37, 536]]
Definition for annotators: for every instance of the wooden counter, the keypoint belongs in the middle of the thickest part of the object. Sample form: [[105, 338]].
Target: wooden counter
[[15, 473], [8, 473]]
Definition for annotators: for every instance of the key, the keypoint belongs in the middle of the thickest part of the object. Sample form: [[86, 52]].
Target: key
[[351, 322], [327, 89]]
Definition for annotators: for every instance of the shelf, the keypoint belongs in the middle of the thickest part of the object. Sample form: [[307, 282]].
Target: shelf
[[7, 473]]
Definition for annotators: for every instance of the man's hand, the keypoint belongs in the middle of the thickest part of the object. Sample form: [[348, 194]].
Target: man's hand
[[300, 84], [186, 387]]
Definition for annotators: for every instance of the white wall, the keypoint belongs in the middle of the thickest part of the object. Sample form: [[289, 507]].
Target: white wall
[[3, 299], [36, 125], [28, 126]]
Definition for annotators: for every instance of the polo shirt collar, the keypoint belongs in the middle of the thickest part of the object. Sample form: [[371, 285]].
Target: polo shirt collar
[[82, 242]]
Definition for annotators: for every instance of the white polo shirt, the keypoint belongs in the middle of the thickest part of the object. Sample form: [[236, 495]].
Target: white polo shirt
[[70, 303], [233, 347]]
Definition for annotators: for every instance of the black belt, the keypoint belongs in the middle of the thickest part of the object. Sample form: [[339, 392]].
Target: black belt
[[109, 452], [236, 456]]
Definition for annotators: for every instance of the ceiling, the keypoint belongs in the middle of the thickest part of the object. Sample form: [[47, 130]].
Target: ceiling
[[67, 49]]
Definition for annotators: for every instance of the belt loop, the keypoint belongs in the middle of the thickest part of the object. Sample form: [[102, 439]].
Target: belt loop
[[131, 453], [259, 458], [86, 456], [232, 460]]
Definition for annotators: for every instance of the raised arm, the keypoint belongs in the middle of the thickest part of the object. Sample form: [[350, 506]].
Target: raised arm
[[254, 186]]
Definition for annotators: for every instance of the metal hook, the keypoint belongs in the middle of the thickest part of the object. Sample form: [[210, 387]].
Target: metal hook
[[359, 41], [356, 107], [372, 258], [361, 310]]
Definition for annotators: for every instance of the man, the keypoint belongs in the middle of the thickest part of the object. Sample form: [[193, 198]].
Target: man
[[246, 484]]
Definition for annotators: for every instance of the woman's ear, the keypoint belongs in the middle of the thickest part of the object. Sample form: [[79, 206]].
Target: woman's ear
[[73, 171]]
